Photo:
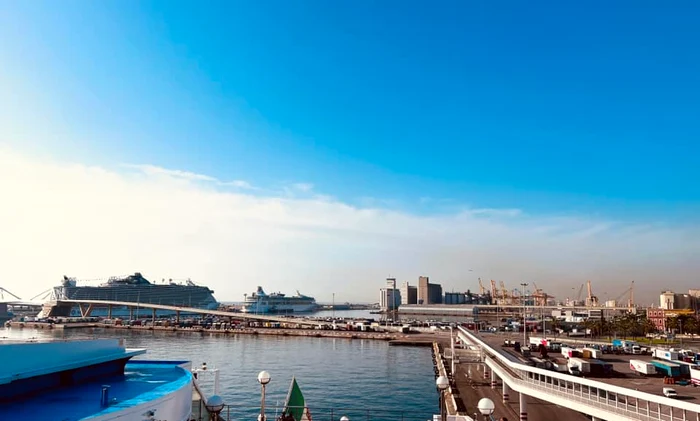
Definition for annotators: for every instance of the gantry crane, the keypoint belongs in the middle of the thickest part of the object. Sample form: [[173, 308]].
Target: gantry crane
[[540, 296], [504, 294], [482, 290]]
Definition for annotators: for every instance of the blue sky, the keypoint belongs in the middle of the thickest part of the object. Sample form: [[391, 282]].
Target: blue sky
[[578, 124], [545, 107]]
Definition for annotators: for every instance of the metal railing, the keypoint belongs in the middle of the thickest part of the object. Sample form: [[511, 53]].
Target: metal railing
[[600, 396], [251, 413]]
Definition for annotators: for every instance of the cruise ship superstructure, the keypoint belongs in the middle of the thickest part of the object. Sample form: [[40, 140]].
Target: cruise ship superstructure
[[137, 289], [260, 303]]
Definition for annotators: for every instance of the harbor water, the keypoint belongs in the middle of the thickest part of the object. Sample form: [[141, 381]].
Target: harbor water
[[360, 378]]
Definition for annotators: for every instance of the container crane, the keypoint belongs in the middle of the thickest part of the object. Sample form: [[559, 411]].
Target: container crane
[[494, 290], [482, 290], [504, 294]]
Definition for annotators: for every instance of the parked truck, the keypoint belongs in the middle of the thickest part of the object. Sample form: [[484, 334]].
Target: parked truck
[[665, 354], [642, 368], [667, 368], [592, 353], [600, 368], [579, 367], [695, 376]]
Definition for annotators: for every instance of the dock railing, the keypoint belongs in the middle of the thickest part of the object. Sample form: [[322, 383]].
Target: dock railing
[[595, 398]]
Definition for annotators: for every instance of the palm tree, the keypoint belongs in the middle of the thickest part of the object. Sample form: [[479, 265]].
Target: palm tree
[[690, 325], [672, 323], [648, 326]]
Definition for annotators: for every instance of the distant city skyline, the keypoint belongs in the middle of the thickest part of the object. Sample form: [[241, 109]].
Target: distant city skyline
[[324, 146]]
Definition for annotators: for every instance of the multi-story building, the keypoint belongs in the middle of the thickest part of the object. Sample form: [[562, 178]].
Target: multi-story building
[[669, 300], [428, 293], [409, 294], [658, 317], [389, 299]]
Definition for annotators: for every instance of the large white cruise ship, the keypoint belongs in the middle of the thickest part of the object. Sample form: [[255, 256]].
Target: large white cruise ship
[[259, 303]]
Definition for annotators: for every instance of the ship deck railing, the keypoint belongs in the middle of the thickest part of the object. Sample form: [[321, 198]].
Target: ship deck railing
[[252, 413]]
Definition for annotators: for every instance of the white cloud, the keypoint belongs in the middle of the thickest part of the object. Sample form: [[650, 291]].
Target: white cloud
[[304, 187], [154, 170], [89, 222], [159, 171], [241, 184]]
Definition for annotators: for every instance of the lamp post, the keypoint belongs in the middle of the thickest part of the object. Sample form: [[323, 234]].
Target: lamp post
[[522, 297], [486, 407], [263, 378], [442, 382], [214, 405], [344, 418]]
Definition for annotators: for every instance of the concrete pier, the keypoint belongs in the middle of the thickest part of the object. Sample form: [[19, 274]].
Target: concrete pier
[[506, 391], [494, 380]]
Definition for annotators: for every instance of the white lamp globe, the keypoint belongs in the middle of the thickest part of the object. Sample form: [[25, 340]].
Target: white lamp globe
[[486, 406], [264, 377], [442, 382]]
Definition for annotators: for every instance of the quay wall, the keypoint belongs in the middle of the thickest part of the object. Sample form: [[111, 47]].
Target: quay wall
[[417, 339]]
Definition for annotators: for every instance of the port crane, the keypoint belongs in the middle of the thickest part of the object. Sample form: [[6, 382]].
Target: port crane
[[630, 301], [482, 290], [591, 300], [3, 291], [578, 295]]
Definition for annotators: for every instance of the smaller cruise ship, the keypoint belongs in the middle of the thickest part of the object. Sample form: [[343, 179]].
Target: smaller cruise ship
[[260, 303]]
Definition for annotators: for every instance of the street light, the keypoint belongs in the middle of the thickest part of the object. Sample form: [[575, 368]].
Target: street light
[[442, 383], [522, 297], [214, 405], [344, 418], [263, 378], [486, 407]]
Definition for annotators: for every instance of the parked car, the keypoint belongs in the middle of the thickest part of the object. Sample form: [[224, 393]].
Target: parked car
[[669, 392]]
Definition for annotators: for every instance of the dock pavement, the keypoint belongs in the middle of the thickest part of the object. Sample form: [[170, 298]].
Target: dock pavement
[[476, 387]]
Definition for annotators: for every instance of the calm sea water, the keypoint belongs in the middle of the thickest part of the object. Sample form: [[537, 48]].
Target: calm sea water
[[332, 373]]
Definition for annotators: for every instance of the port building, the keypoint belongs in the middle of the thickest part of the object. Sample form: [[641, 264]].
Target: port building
[[428, 293]]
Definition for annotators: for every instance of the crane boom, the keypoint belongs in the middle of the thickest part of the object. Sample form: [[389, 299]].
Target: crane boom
[[482, 290], [580, 291]]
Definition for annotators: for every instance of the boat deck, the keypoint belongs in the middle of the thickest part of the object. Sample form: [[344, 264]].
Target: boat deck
[[142, 382]]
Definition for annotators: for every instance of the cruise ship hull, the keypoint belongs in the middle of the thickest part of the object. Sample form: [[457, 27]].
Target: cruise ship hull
[[135, 289], [263, 308]]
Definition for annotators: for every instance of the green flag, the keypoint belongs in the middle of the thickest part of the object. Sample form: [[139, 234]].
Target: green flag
[[295, 406]]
